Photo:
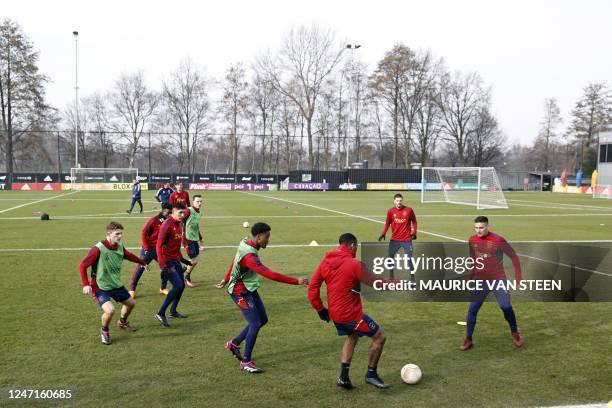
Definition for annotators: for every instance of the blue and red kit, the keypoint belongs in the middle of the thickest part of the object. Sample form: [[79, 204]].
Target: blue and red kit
[[168, 245], [148, 253], [403, 223], [491, 249]]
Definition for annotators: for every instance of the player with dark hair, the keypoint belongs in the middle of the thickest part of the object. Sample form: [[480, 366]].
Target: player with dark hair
[[490, 249], [148, 237], [243, 278], [403, 225], [164, 193], [105, 259], [193, 237], [136, 196], [168, 248], [342, 274], [180, 195]]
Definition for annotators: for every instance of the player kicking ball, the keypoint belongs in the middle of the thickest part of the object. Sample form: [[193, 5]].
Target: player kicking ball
[[242, 278], [148, 236], [342, 274], [105, 259], [193, 238], [490, 248]]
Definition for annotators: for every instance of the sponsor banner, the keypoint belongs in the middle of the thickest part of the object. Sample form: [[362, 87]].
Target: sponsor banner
[[101, 186], [349, 187], [125, 186], [204, 178], [210, 186], [4, 177], [225, 178], [265, 178], [246, 178], [144, 178], [308, 186], [182, 178], [573, 189], [5, 186], [24, 178], [48, 178], [386, 186], [36, 186], [161, 178], [251, 187]]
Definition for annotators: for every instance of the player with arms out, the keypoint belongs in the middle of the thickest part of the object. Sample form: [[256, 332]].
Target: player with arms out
[[148, 237], [490, 248], [193, 238], [180, 195], [168, 248], [242, 278], [105, 259], [342, 274], [403, 225]]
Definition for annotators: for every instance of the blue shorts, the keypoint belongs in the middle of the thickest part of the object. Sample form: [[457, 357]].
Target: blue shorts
[[394, 247], [364, 327], [119, 294], [148, 255], [193, 249]]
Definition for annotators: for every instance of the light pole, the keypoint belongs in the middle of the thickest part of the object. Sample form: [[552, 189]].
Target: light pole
[[76, 99], [353, 47]]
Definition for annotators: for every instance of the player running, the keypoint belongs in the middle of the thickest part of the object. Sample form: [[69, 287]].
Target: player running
[[105, 259], [168, 248], [243, 278], [490, 248], [180, 195], [193, 238], [342, 274], [136, 196], [148, 237], [163, 194]]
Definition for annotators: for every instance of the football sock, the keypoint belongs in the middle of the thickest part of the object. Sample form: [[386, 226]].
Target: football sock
[[123, 319], [105, 328], [344, 371], [371, 372]]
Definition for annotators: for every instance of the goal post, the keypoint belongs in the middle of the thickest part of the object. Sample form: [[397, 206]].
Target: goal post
[[475, 186], [80, 175]]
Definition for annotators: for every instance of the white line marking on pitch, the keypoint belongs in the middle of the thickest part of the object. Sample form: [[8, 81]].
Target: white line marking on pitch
[[38, 201], [348, 214], [136, 248], [564, 204]]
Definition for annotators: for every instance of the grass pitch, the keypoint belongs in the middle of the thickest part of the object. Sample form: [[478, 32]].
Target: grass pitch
[[50, 331]]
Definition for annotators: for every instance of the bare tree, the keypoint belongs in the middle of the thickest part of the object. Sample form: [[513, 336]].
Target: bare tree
[[486, 143], [186, 97], [234, 105], [134, 105], [545, 143], [265, 100], [98, 111], [308, 55], [461, 98], [387, 80]]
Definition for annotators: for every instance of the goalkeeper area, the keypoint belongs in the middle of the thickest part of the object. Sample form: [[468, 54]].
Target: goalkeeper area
[[50, 330]]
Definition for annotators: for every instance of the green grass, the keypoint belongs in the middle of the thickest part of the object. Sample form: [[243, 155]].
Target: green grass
[[50, 330]]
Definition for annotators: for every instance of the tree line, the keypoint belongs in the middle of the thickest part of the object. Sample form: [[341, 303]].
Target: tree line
[[309, 104]]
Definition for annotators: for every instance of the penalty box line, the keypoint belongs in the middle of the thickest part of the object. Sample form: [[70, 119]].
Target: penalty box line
[[348, 214], [37, 201]]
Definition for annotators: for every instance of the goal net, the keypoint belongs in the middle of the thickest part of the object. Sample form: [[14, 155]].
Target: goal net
[[81, 175], [477, 186]]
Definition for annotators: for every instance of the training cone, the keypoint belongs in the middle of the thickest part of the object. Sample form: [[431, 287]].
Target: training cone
[[313, 243]]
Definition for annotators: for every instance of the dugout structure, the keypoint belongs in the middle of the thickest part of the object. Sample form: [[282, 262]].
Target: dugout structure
[[474, 186]]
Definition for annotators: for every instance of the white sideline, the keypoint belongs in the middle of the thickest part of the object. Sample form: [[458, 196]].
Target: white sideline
[[564, 204], [347, 214], [37, 201], [137, 248]]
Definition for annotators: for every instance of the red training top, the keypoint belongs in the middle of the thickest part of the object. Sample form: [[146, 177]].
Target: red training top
[[150, 232], [182, 197], [341, 272], [400, 221], [491, 249], [168, 246], [252, 262], [92, 257]]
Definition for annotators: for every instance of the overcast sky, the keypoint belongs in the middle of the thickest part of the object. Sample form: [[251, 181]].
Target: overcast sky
[[526, 50]]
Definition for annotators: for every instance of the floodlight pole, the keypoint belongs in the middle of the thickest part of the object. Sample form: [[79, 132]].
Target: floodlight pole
[[76, 99]]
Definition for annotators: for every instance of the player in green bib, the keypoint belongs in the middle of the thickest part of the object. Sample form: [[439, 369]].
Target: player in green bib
[[106, 259], [192, 240], [242, 279]]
